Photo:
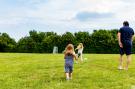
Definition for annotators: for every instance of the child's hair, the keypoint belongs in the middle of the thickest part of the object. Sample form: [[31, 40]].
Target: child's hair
[[70, 50], [80, 45], [69, 47]]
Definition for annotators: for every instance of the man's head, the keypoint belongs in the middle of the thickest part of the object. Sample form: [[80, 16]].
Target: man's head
[[125, 23]]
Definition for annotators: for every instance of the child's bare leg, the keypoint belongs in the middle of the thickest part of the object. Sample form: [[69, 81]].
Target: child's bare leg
[[67, 76], [70, 75], [81, 57]]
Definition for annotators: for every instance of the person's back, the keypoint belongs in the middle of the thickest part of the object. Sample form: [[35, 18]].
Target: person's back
[[69, 60], [126, 33], [125, 36], [69, 56]]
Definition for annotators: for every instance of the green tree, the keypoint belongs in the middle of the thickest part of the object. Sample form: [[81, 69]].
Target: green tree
[[83, 37], [103, 41], [7, 44], [67, 38], [26, 45]]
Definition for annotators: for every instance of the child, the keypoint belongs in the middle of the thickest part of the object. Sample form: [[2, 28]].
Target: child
[[80, 51], [69, 56]]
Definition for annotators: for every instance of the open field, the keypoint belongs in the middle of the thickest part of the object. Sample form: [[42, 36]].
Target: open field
[[46, 71]]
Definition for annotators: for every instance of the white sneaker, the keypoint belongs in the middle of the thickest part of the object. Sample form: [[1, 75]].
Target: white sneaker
[[120, 68], [67, 78]]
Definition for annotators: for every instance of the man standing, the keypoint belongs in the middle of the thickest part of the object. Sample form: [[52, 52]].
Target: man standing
[[125, 38]]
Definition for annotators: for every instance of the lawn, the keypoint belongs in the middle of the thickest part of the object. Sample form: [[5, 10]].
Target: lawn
[[46, 71]]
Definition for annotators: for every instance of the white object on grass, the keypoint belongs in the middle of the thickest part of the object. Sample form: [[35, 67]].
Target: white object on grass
[[85, 58], [120, 68], [55, 49]]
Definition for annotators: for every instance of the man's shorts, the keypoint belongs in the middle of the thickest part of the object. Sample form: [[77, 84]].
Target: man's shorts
[[68, 69], [127, 49]]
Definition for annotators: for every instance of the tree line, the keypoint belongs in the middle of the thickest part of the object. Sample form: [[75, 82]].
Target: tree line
[[100, 41]]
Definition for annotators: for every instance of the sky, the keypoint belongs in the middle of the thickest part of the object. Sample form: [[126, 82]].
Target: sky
[[18, 17]]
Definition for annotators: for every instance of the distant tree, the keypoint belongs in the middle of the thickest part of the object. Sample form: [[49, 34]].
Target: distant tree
[[50, 41], [133, 50], [103, 41], [7, 44], [26, 45], [100, 41], [83, 37], [67, 38]]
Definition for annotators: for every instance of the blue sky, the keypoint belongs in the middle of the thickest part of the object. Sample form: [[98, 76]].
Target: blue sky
[[18, 17]]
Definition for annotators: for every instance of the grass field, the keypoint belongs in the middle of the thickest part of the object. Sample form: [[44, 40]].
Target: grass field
[[46, 71]]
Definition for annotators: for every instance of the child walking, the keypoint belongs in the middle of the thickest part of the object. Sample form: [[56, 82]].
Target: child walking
[[69, 56], [80, 51]]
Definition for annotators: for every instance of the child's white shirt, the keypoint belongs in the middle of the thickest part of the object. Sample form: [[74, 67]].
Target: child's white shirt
[[80, 50]]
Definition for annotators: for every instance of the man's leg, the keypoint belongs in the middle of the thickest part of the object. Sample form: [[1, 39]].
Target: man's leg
[[128, 53], [128, 61], [121, 58], [120, 62]]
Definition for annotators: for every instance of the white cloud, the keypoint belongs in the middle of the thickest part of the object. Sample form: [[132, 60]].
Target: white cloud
[[60, 15]]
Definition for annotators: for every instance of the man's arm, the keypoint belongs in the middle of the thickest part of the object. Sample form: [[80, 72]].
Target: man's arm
[[119, 40]]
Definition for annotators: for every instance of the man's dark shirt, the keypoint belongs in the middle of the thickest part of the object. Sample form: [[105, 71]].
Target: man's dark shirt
[[126, 35]]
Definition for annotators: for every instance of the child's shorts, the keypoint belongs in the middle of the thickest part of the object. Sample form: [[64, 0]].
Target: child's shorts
[[78, 54], [68, 69]]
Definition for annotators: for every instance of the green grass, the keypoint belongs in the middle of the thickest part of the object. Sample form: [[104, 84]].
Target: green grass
[[46, 71]]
